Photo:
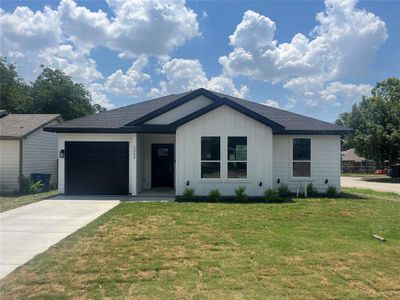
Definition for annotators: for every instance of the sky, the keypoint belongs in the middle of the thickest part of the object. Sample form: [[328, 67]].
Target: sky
[[315, 58]]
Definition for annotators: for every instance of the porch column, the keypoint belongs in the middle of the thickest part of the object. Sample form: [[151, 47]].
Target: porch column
[[133, 164]]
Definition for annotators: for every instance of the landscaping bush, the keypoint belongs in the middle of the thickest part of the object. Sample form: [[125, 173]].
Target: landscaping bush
[[331, 192], [283, 190], [271, 195], [26, 186], [214, 195], [240, 193], [188, 194], [311, 190]]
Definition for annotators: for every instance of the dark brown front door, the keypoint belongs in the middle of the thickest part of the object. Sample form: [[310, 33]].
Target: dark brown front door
[[162, 165]]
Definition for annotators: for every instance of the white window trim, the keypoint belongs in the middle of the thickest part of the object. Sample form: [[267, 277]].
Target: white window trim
[[215, 161], [292, 160], [228, 161]]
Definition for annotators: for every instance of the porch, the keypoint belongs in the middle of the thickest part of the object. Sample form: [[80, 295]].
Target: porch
[[155, 165]]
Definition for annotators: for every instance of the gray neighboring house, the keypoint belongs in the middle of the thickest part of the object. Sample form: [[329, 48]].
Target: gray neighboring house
[[25, 148], [199, 139]]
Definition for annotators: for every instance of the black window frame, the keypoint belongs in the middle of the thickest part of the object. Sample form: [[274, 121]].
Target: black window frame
[[204, 161], [236, 161], [301, 158]]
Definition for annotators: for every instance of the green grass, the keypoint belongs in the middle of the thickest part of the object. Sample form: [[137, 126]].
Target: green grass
[[14, 201], [362, 175], [313, 248]]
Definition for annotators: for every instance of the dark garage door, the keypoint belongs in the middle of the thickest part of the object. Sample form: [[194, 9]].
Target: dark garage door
[[98, 168]]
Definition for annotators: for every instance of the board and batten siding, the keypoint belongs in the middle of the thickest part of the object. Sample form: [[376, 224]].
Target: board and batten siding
[[99, 137], [40, 154], [181, 111], [325, 161], [223, 122], [9, 165]]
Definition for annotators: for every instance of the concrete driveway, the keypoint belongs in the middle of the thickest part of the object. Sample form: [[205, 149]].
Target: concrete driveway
[[358, 182], [31, 229]]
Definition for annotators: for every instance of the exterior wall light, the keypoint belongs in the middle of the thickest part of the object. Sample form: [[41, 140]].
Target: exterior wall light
[[187, 182], [62, 153], [278, 181]]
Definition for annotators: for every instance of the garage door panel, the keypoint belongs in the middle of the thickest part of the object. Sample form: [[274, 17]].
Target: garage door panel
[[97, 168]]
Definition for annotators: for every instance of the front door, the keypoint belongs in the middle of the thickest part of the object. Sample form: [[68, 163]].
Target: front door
[[162, 165]]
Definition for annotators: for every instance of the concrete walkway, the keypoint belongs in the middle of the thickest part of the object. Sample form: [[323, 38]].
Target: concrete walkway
[[358, 182], [31, 229]]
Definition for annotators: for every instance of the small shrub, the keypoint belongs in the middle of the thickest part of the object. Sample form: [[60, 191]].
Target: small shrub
[[331, 192], [26, 186], [283, 190], [214, 195], [188, 193], [240, 193], [271, 195], [311, 190]]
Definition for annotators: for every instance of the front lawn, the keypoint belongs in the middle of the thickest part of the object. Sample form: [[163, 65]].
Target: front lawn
[[14, 201], [314, 248]]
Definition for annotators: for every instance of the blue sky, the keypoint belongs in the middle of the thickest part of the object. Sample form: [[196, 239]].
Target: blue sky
[[275, 52]]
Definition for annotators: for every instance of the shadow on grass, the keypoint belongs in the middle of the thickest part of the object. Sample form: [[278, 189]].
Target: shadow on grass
[[350, 196], [233, 200], [262, 200], [382, 180]]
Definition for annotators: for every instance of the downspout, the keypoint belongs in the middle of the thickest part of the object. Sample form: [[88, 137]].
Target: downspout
[[21, 151]]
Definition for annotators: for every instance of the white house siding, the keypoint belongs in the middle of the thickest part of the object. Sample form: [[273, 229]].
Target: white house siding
[[148, 140], [223, 122], [181, 111], [325, 161], [9, 165], [39, 154], [99, 137]]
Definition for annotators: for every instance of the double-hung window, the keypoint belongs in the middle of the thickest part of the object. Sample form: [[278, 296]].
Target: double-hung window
[[210, 157], [237, 157], [301, 157]]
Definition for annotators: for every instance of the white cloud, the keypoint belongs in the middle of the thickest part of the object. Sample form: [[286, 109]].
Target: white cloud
[[272, 103], [188, 74], [99, 96], [128, 84], [63, 38], [25, 30], [317, 92], [75, 62], [340, 46], [152, 27]]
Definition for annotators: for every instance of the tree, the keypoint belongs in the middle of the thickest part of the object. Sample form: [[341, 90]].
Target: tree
[[15, 94], [52, 92], [55, 92], [376, 121]]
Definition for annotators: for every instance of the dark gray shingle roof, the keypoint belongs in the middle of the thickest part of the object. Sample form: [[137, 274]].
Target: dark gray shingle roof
[[16, 126], [120, 117]]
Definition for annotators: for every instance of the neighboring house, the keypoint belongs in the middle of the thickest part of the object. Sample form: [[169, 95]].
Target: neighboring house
[[25, 148], [351, 162], [198, 139]]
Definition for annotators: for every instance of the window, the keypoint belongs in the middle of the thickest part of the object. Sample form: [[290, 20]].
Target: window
[[301, 157], [210, 157], [237, 157]]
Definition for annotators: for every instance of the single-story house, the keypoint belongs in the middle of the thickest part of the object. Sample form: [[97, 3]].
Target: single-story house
[[25, 148], [351, 162], [199, 139]]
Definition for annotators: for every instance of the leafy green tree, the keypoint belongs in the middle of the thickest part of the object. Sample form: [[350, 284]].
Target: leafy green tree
[[55, 92], [52, 92], [376, 121], [15, 94]]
